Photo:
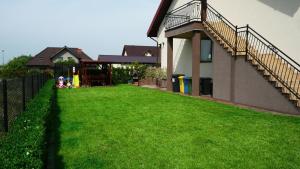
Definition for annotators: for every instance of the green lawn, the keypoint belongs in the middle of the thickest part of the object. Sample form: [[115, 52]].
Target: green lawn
[[131, 127]]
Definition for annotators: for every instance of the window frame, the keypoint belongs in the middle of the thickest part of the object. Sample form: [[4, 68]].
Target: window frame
[[211, 51]]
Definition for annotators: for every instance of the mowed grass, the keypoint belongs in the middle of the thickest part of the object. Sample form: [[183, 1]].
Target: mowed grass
[[131, 127]]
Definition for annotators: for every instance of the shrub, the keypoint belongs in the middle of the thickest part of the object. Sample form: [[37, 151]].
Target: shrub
[[24, 145], [69, 62], [125, 73], [121, 75], [156, 73], [49, 72], [150, 72], [34, 71], [161, 74], [138, 70]]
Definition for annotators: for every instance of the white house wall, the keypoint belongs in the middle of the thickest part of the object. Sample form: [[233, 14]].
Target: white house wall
[[182, 51], [162, 40], [277, 20]]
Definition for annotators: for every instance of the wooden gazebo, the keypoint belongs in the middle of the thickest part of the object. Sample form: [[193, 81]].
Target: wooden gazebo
[[95, 73], [99, 73]]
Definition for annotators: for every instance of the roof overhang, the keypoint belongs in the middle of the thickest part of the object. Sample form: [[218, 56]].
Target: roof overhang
[[158, 18], [114, 59]]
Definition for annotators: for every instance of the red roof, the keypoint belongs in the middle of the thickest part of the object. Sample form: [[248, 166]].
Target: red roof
[[158, 18], [44, 57]]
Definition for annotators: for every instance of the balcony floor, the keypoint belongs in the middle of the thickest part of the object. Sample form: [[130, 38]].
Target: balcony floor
[[185, 31]]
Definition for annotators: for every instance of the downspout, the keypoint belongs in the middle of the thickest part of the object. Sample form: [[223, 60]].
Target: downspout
[[158, 53], [158, 56]]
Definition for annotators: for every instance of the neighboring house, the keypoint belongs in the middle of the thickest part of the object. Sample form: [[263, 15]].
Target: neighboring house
[[49, 56], [195, 39], [132, 53], [132, 50]]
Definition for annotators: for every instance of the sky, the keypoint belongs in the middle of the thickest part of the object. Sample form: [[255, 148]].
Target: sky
[[96, 26]]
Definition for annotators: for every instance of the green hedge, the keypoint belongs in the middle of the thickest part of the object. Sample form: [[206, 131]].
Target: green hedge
[[24, 144], [121, 75]]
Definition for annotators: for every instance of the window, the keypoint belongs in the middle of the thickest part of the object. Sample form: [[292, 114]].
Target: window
[[148, 53], [206, 51]]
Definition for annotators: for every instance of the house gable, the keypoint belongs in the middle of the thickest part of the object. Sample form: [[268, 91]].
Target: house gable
[[64, 56]]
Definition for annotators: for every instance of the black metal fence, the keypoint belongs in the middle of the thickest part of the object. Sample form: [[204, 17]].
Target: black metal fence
[[14, 94]]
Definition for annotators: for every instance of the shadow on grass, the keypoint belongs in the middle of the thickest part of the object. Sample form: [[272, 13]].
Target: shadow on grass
[[53, 160]]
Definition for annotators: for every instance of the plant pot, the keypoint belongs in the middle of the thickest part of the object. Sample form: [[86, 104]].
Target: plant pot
[[162, 83]]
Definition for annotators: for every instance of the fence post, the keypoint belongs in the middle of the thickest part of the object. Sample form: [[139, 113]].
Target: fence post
[[247, 41], [38, 83], [43, 79], [5, 115], [236, 42], [41, 83], [23, 93], [32, 86]]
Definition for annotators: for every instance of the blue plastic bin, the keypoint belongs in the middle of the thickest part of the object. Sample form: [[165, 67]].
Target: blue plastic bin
[[186, 84]]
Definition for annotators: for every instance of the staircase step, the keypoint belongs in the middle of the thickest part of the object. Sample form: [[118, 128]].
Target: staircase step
[[272, 79], [267, 73], [291, 97], [294, 98]]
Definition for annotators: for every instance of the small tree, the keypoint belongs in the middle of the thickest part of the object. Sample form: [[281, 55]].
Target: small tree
[[121, 75], [161, 74], [138, 70], [150, 72], [16, 67], [156, 73]]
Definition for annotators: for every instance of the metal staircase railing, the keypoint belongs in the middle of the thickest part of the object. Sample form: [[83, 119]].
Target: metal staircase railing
[[246, 41], [243, 41], [221, 26], [277, 63]]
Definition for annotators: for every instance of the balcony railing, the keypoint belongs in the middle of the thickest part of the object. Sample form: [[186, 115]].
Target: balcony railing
[[187, 13]]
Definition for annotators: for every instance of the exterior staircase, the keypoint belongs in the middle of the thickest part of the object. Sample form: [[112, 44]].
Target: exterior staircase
[[273, 64], [279, 69]]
